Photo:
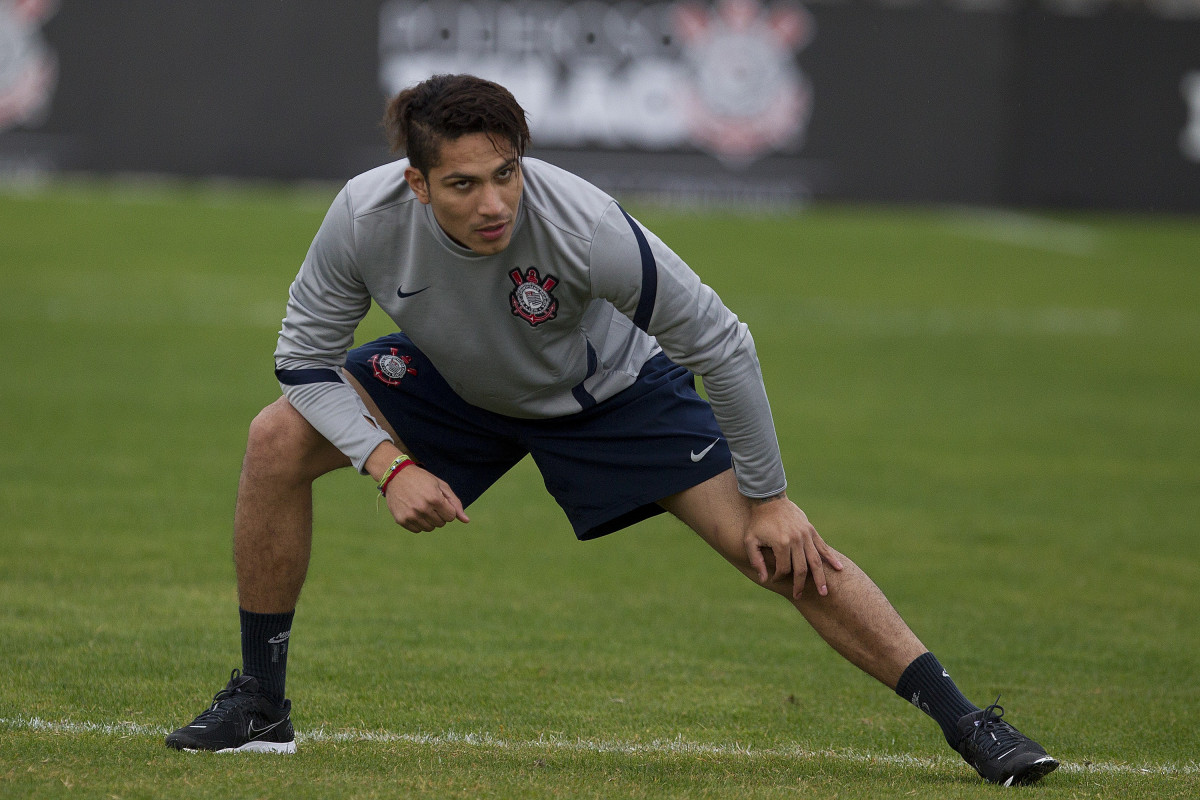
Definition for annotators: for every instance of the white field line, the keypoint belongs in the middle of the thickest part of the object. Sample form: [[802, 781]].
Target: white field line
[[1025, 230], [486, 741], [762, 309]]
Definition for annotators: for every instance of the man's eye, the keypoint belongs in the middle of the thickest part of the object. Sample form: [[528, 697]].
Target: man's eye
[[505, 173]]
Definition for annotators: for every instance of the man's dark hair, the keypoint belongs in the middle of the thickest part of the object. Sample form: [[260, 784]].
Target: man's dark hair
[[443, 108]]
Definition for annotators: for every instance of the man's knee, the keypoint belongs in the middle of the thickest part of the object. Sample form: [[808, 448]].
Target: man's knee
[[281, 441]]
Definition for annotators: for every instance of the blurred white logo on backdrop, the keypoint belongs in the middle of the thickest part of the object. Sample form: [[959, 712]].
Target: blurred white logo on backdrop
[[28, 68], [721, 78], [1189, 140]]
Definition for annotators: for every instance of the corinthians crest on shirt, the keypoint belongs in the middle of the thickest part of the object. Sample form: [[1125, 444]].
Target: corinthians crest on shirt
[[391, 367], [532, 298]]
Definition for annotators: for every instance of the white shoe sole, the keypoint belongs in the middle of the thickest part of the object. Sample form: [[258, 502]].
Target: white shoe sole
[[282, 748]]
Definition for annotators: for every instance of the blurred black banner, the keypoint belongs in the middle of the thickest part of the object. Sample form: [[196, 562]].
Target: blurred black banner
[[1081, 104]]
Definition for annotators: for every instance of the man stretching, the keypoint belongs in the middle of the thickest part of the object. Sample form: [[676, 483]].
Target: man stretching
[[536, 317]]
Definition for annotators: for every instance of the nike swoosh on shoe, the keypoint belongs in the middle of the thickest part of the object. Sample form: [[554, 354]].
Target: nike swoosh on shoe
[[253, 733]]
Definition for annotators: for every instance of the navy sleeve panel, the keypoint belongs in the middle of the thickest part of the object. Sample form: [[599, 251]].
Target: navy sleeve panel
[[299, 377], [649, 293]]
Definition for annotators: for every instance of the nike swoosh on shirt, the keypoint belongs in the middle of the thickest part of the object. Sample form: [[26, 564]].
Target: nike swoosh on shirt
[[403, 294], [698, 456]]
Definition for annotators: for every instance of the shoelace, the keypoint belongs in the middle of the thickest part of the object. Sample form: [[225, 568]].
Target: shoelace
[[992, 733], [227, 699]]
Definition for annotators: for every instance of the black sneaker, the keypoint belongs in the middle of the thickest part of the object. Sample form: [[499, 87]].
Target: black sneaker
[[999, 752], [241, 719]]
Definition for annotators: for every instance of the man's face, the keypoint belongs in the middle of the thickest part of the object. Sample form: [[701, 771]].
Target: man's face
[[474, 190]]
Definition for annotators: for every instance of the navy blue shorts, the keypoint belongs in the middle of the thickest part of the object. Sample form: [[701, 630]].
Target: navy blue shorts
[[606, 466]]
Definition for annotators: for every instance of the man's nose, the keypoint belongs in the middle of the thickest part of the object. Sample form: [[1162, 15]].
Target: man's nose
[[491, 203]]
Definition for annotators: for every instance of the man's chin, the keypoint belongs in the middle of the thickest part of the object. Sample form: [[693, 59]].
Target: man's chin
[[489, 247]]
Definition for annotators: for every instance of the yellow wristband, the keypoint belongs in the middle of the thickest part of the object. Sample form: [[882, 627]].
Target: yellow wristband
[[393, 469]]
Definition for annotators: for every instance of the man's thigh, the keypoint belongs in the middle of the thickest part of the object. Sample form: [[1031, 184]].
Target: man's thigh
[[718, 512]]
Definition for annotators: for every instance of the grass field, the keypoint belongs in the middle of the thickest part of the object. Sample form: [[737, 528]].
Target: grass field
[[996, 415]]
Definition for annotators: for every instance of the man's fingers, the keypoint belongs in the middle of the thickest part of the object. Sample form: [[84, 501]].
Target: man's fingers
[[794, 544], [456, 506], [799, 569], [816, 565], [757, 561], [440, 511], [783, 561], [801, 559], [829, 555], [424, 502], [415, 525]]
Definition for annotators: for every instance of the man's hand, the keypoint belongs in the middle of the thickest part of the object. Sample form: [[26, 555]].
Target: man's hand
[[421, 501], [777, 524]]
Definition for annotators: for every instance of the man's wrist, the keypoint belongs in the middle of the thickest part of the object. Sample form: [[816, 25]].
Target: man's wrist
[[399, 463], [381, 459]]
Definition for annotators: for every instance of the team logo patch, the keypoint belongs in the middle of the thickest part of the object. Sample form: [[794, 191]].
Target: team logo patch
[[531, 298], [392, 368]]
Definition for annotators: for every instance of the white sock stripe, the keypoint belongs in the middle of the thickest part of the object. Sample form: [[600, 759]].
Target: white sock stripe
[[658, 746]]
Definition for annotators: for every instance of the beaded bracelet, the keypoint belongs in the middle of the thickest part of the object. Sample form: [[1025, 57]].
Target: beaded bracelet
[[392, 471]]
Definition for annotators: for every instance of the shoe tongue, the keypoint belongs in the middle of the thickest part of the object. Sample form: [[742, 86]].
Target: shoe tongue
[[971, 723], [244, 683]]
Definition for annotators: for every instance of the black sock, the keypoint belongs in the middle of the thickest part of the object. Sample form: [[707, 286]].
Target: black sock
[[928, 686], [264, 649]]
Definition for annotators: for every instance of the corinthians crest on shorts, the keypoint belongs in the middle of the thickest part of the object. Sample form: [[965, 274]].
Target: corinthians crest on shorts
[[531, 298], [391, 368]]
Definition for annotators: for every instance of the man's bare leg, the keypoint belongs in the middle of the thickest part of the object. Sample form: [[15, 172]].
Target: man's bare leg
[[859, 622], [854, 618], [272, 541], [272, 527]]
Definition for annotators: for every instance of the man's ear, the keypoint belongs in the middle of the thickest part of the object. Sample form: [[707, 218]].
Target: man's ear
[[418, 183]]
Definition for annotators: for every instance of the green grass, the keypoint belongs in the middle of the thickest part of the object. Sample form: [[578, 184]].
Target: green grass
[[997, 415]]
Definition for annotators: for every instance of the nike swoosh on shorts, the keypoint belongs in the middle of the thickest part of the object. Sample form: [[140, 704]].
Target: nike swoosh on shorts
[[696, 457]]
